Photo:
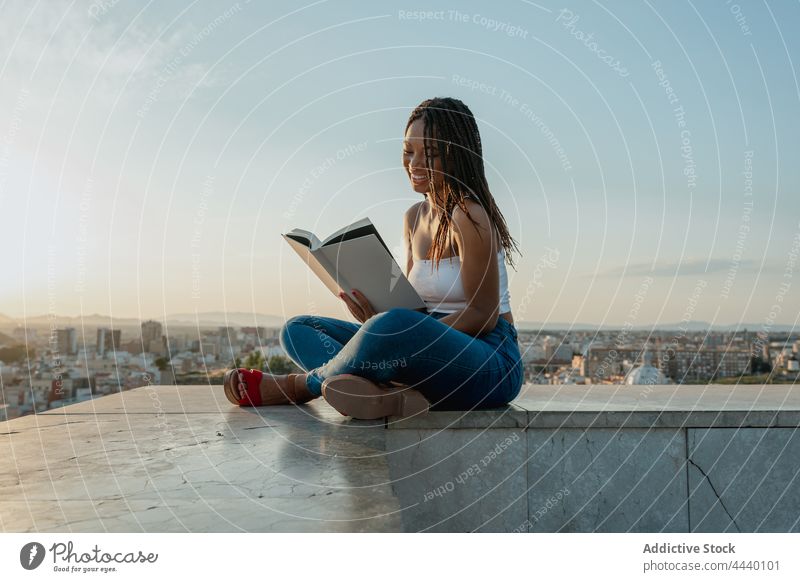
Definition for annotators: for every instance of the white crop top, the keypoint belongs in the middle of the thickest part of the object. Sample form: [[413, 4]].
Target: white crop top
[[443, 290]]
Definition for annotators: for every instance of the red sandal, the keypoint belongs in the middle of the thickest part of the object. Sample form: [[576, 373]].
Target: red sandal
[[252, 378]]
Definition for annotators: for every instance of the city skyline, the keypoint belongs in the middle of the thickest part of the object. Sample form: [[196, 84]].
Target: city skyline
[[151, 158], [242, 319]]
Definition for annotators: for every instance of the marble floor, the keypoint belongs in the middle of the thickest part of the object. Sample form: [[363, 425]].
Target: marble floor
[[181, 458], [599, 458]]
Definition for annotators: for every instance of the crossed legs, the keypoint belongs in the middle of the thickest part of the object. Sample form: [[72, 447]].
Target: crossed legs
[[453, 370]]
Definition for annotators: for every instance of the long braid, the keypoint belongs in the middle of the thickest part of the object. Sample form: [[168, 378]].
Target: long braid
[[451, 126]]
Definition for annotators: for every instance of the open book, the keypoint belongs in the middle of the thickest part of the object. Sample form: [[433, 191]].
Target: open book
[[355, 257]]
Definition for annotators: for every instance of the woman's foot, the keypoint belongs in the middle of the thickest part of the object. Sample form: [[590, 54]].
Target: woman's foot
[[255, 388], [361, 398]]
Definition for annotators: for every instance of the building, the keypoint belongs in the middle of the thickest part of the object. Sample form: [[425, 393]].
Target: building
[[67, 341], [603, 363], [108, 340], [646, 373], [24, 334], [151, 336], [257, 331], [557, 352], [173, 344], [227, 332], [687, 365]]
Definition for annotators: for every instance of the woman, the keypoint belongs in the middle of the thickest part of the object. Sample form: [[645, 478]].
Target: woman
[[459, 353]]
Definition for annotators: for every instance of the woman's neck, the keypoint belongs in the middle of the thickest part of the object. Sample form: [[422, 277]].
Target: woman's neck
[[435, 207]]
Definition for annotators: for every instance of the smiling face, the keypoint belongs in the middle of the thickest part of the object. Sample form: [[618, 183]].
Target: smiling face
[[415, 163]]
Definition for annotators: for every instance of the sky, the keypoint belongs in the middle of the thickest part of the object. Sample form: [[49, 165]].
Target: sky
[[644, 155]]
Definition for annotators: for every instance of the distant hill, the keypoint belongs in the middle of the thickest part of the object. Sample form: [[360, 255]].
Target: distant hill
[[233, 318], [92, 320], [691, 326], [95, 320], [242, 318]]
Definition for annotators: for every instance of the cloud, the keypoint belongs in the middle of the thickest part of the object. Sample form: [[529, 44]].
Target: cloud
[[66, 46]]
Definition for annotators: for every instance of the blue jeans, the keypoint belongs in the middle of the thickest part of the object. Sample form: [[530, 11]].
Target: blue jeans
[[452, 369]]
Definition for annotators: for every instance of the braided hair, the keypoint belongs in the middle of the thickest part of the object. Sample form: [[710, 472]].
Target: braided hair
[[449, 123]]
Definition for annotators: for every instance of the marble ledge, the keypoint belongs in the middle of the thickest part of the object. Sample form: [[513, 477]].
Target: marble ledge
[[622, 406], [537, 406]]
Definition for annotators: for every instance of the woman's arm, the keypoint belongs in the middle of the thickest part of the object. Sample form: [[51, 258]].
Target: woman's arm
[[479, 272]]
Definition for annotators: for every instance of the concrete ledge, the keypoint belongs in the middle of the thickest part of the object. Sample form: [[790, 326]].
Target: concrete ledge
[[510, 416], [609, 458], [182, 458], [613, 405], [560, 458]]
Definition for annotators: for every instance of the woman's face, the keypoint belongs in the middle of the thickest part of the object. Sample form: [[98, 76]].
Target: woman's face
[[414, 159]]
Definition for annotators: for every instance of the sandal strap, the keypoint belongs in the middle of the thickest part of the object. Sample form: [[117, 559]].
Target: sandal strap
[[253, 379], [293, 395]]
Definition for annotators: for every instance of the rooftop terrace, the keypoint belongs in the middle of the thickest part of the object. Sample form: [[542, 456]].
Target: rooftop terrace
[[559, 458]]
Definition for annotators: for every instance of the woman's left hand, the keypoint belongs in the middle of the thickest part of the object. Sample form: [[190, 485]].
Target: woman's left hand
[[360, 307]]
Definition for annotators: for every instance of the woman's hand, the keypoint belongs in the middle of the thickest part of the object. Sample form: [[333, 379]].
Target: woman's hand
[[360, 307]]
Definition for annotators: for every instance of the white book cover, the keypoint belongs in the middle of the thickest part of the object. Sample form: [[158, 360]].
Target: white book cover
[[356, 257]]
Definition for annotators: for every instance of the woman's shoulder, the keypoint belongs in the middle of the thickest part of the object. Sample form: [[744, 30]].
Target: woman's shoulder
[[466, 225], [412, 211], [476, 211]]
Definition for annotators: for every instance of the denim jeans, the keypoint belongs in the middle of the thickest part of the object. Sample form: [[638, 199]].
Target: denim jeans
[[452, 369]]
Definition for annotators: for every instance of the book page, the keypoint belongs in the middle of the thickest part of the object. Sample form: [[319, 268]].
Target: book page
[[301, 235], [314, 263], [365, 264], [364, 222]]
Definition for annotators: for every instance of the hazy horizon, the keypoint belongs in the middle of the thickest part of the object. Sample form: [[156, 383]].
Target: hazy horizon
[[151, 156], [244, 319]]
